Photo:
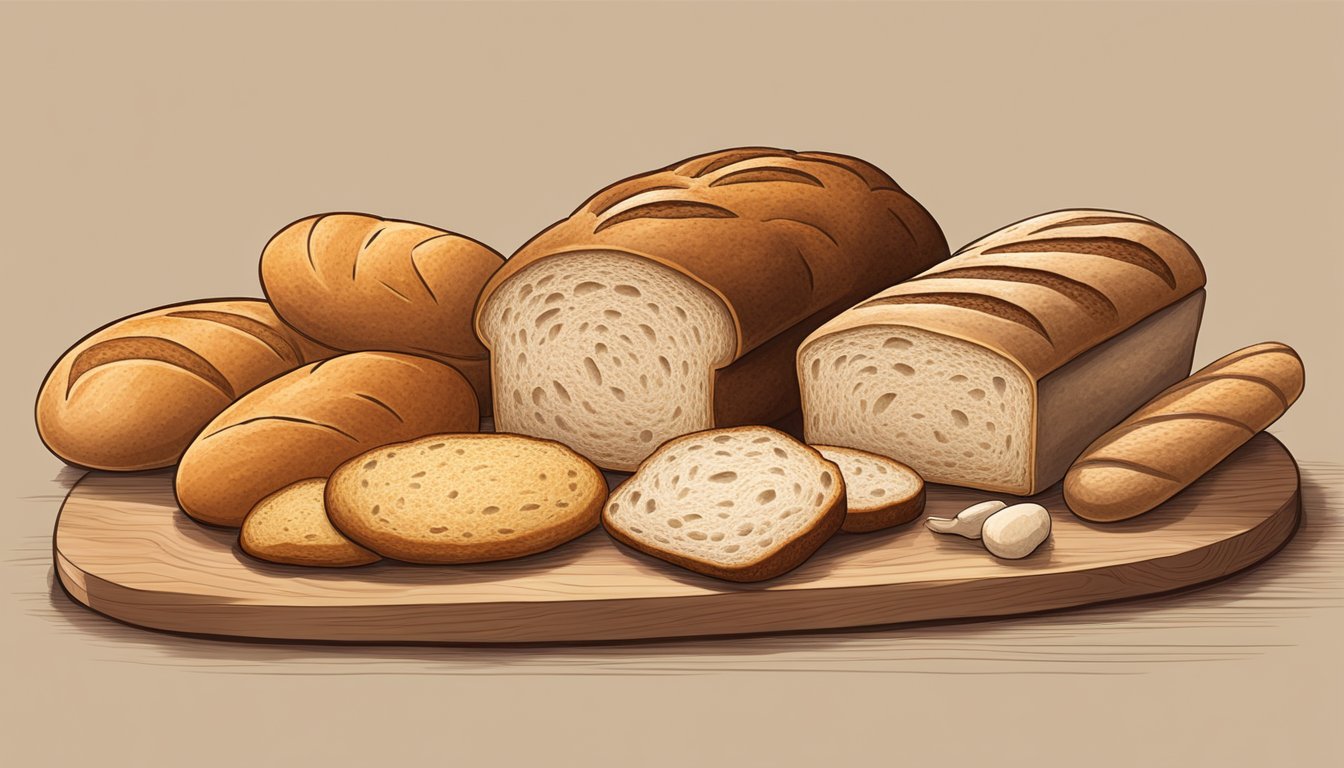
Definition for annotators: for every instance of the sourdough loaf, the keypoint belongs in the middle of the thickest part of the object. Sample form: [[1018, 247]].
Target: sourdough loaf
[[132, 394], [360, 282], [741, 504], [306, 423], [995, 368], [673, 301], [1184, 432], [466, 498]]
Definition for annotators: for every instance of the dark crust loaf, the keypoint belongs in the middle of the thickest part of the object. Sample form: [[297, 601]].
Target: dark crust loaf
[[131, 395], [354, 281], [779, 236]]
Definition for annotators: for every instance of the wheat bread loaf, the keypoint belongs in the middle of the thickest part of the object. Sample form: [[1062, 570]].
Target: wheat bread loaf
[[674, 301], [879, 492], [742, 504], [996, 368], [132, 394], [290, 526], [1183, 433], [360, 282], [466, 498], [306, 423]]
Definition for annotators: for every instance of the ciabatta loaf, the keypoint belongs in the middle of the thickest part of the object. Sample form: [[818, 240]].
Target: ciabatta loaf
[[997, 367], [358, 282], [306, 423], [742, 504], [674, 301], [879, 492], [132, 394], [466, 498], [1184, 432]]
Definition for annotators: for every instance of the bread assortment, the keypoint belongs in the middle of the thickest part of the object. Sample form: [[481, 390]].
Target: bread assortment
[[655, 330], [131, 395], [1182, 433], [673, 301], [995, 368], [306, 423], [358, 282]]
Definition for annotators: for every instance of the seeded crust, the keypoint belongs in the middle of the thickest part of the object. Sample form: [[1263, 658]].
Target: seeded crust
[[290, 526], [879, 492], [465, 498]]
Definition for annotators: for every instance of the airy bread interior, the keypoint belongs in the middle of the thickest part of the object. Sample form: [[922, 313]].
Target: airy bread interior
[[953, 411], [872, 481], [729, 497], [609, 353]]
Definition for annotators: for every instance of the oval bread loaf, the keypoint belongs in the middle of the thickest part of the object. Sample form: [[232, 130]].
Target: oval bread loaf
[[305, 423], [132, 394], [673, 301], [1183, 432], [359, 282]]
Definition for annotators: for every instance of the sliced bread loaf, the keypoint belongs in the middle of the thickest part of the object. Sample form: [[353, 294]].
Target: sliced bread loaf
[[465, 498], [291, 526], [879, 492], [742, 504]]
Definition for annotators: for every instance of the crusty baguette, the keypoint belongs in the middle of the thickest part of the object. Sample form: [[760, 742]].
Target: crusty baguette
[[290, 526], [305, 423], [995, 368], [1182, 433], [879, 492], [466, 498], [132, 394], [360, 282], [673, 301], [741, 504]]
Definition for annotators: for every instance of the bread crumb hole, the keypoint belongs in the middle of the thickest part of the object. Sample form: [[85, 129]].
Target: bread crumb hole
[[377, 508], [903, 369], [691, 517], [673, 522], [826, 480], [731, 548], [645, 436], [725, 503], [723, 477], [438, 529], [977, 394], [505, 531], [961, 418], [587, 287], [1000, 385], [310, 536], [765, 497], [883, 403], [371, 464], [896, 342], [697, 535]]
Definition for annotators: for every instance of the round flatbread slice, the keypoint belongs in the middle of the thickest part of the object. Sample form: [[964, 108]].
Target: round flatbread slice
[[290, 526], [466, 498], [880, 492]]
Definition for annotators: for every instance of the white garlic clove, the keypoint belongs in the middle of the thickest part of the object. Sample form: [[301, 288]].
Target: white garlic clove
[[1015, 532], [968, 521]]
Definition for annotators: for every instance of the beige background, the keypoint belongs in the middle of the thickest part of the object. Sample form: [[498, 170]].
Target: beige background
[[150, 150]]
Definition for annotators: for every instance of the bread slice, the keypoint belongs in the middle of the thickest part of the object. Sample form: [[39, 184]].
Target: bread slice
[[879, 492], [291, 526], [465, 498], [742, 504]]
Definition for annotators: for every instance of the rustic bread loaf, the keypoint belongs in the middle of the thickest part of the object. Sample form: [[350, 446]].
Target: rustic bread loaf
[[879, 492], [306, 423], [466, 498], [359, 282], [742, 504], [132, 394], [1182, 433], [290, 526], [995, 368], [674, 301]]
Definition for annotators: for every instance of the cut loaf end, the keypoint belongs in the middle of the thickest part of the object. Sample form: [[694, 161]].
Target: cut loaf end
[[880, 492], [742, 504], [607, 352]]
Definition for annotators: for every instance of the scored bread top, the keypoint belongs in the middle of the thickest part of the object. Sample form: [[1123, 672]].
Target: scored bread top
[[355, 281], [777, 235], [1043, 290]]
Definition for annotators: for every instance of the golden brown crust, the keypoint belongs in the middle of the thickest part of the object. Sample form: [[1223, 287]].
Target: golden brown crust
[[1183, 433], [359, 282], [826, 230], [308, 422], [132, 394], [778, 562], [1044, 290]]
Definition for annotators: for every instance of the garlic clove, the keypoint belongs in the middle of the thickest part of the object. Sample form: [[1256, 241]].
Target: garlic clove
[[968, 522], [1014, 532]]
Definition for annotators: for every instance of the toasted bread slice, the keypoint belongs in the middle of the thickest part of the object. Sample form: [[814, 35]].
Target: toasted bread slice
[[879, 492], [742, 504], [291, 526], [466, 498]]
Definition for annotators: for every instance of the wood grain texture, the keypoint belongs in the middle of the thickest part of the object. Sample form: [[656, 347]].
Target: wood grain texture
[[123, 549]]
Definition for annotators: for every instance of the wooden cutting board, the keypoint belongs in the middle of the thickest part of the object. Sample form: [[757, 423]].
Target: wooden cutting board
[[123, 548]]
